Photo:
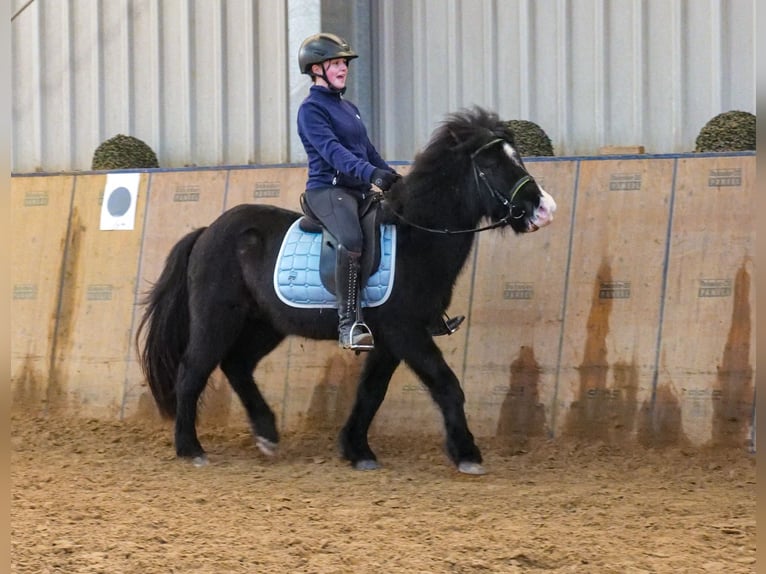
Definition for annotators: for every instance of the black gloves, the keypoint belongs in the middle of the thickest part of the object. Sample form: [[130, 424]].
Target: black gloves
[[384, 179]]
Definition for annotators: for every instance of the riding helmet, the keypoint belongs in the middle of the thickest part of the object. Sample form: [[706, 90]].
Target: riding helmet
[[322, 47]]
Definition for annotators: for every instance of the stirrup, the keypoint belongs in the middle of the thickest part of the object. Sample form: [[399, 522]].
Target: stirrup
[[359, 338], [448, 325]]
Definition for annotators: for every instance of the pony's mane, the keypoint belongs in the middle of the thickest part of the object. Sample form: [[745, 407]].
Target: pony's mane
[[452, 143], [445, 161]]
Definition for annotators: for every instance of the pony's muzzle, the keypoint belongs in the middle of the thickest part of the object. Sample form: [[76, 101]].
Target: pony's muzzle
[[543, 214]]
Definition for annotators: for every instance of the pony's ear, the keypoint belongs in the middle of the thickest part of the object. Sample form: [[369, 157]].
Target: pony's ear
[[455, 144], [505, 132]]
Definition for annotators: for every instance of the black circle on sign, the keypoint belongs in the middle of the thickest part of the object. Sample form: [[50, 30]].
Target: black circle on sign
[[119, 202]]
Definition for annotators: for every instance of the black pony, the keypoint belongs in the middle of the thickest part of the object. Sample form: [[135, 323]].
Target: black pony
[[215, 302]]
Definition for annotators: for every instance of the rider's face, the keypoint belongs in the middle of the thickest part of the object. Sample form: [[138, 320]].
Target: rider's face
[[336, 71]]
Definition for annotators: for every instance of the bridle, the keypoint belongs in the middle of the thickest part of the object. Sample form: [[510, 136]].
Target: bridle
[[480, 177]]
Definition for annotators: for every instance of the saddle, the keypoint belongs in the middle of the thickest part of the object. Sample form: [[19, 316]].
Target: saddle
[[370, 220]]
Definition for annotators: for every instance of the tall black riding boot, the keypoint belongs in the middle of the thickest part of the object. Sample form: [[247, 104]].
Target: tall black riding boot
[[353, 333]]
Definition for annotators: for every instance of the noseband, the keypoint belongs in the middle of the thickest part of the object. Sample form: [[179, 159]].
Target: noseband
[[480, 176]]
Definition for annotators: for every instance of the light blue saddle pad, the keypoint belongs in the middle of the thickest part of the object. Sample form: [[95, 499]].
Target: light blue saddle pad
[[296, 275]]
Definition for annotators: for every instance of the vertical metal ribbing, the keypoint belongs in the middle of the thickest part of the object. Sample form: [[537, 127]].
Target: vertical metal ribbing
[[717, 42], [639, 64], [677, 62], [128, 64], [420, 90], [68, 84], [525, 58], [563, 102], [454, 56], [600, 70]]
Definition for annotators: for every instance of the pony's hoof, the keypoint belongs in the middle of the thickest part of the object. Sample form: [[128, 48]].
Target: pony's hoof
[[473, 468], [267, 447], [366, 465], [200, 461]]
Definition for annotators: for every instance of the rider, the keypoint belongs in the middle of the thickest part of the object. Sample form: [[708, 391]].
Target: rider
[[342, 164]]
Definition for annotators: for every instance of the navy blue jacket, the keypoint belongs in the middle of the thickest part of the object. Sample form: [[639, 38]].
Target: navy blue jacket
[[336, 142]]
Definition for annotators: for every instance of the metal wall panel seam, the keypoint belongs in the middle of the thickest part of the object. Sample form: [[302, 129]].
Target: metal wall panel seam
[[639, 65], [490, 47], [677, 71], [50, 95], [524, 24], [224, 147], [219, 68], [663, 293], [114, 85], [37, 95], [128, 76], [563, 74], [185, 66], [97, 80], [191, 65], [67, 88], [60, 296], [136, 298], [420, 88], [564, 304], [161, 87], [251, 79], [454, 59], [387, 79], [272, 96], [717, 73], [601, 77], [155, 61]]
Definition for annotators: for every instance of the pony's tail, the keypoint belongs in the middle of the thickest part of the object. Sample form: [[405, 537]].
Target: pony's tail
[[166, 322]]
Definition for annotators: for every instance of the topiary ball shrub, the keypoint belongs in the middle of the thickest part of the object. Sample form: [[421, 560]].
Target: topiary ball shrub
[[123, 152], [729, 131], [531, 139]]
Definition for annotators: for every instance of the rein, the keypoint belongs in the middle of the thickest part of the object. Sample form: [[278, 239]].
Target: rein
[[479, 175]]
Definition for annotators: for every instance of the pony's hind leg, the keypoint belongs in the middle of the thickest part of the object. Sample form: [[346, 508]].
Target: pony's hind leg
[[254, 343], [191, 381], [214, 328], [373, 384]]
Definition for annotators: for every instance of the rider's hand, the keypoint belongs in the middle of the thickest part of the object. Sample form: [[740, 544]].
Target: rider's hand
[[384, 179]]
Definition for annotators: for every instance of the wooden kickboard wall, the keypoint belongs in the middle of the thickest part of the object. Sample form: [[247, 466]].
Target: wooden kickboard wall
[[630, 318]]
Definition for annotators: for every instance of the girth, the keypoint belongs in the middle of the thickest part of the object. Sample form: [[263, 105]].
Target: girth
[[370, 223]]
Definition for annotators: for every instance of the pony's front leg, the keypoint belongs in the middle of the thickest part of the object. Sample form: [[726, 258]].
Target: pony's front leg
[[373, 384], [428, 363]]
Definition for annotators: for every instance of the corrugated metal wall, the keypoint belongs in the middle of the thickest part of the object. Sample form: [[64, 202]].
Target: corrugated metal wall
[[212, 82], [589, 72], [203, 82]]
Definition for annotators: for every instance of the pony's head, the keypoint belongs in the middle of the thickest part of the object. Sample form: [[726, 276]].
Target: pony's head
[[478, 145]]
